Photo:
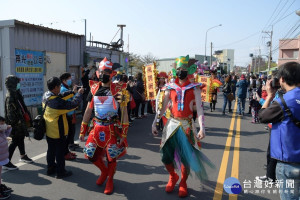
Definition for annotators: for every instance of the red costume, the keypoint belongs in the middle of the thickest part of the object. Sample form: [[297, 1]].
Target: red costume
[[108, 135]]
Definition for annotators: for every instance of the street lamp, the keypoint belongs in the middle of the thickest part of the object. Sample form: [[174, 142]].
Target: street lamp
[[206, 38]]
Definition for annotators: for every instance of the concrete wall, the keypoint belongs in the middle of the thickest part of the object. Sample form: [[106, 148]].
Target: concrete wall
[[56, 67]]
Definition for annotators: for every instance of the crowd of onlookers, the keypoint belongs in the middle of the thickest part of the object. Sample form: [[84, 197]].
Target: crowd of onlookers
[[63, 93]]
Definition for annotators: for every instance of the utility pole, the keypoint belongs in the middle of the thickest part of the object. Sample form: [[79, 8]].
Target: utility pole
[[85, 30], [210, 54], [254, 65], [270, 33], [259, 59]]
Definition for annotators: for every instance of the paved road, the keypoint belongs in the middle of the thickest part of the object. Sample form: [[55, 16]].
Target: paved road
[[236, 147]]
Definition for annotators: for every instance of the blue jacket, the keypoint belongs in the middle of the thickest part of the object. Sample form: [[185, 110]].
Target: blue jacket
[[285, 135], [242, 91], [63, 89]]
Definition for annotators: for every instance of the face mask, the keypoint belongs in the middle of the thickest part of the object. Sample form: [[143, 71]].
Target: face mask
[[104, 78], [182, 74], [69, 82], [3, 127], [18, 86]]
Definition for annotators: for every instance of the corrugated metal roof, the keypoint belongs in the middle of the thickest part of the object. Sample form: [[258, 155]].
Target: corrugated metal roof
[[14, 22]]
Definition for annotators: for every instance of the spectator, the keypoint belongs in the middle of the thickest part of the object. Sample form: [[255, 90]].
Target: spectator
[[85, 85], [4, 132], [242, 94], [284, 142], [226, 91], [66, 84], [139, 96], [233, 84], [17, 115], [57, 125]]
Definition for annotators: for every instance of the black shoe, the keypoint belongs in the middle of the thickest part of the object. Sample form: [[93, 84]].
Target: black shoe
[[4, 195], [51, 170], [10, 166], [5, 189], [26, 159], [64, 175]]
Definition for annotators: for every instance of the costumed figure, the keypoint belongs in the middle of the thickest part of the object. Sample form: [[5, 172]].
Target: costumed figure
[[214, 88], [110, 124], [162, 77], [180, 141]]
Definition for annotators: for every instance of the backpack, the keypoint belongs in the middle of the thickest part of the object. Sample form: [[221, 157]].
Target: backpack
[[39, 125]]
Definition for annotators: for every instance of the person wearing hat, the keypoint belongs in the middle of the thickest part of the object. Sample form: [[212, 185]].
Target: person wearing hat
[[109, 132], [242, 94], [180, 141]]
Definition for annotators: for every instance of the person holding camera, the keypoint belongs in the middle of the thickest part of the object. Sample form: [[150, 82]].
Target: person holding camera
[[56, 108], [284, 114], [66, 85]]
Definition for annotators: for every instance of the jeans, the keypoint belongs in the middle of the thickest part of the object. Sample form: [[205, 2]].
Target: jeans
[[225, 102], [286, 172], [241, 100], [56, 151]]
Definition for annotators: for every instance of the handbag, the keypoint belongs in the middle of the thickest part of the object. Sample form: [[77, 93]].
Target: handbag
[[230, 97], [39, 125], [132, 104]]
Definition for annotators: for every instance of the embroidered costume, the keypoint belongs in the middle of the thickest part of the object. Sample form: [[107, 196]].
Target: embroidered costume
[[109, 126], [179, 144]]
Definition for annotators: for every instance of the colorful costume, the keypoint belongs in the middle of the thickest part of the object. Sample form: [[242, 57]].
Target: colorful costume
[[179, 145], [110, 126]]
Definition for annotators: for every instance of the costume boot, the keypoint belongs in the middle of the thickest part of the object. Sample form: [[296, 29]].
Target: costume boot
[[182, 185], [109, 188], [104, 171], [173, 178]]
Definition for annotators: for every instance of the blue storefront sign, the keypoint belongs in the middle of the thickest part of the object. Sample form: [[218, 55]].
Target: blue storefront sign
[[30, 69]]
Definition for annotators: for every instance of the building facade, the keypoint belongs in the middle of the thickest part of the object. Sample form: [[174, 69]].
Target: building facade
[[225, 57], [289, 50], [34, 54]]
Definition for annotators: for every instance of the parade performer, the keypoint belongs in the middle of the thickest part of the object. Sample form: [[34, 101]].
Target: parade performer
[[215, 84], [179, 145], [110, 124]]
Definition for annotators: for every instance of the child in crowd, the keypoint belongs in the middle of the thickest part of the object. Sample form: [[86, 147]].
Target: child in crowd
[[255, 107], [4, 132]]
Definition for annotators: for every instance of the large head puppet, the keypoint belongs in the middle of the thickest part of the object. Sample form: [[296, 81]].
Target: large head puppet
[[107, 70], [184, 63]]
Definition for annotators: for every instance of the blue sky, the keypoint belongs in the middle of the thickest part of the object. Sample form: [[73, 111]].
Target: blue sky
[[168, 28]]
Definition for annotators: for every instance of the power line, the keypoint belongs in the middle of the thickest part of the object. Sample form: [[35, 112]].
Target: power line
[[239, 40], [272, 14], [286, 41], [271, 23], [293, 12]]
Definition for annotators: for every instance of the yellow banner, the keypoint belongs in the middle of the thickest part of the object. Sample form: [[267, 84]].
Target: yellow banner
[[205, 92], [29, 69], [150, 81]]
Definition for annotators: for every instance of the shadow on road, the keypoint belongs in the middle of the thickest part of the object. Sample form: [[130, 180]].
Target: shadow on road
[[28, 176]]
